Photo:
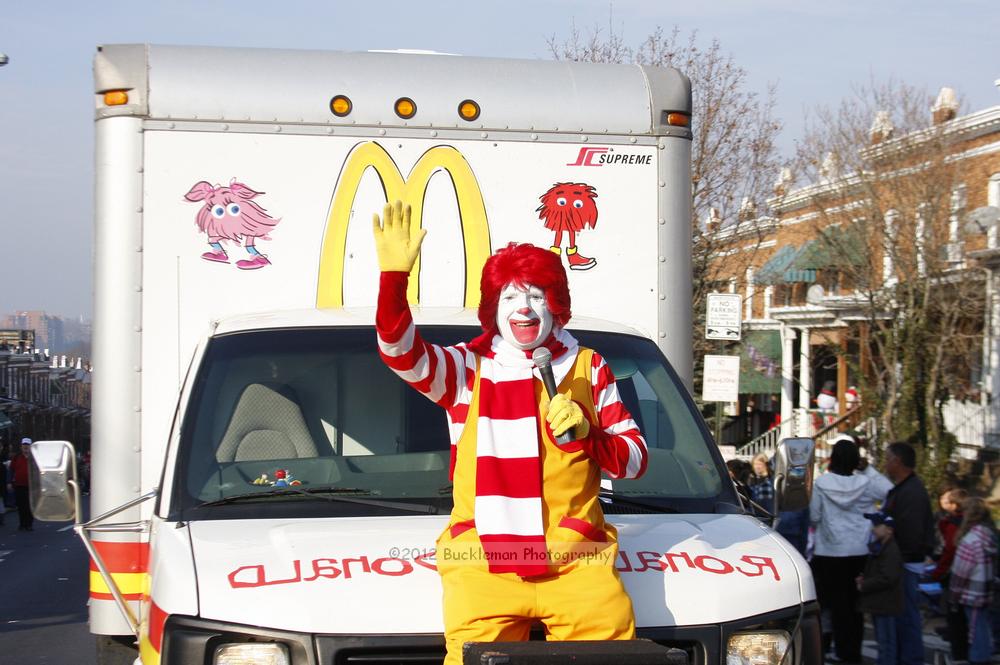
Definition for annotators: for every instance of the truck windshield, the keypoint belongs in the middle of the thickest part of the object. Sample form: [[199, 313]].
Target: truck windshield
[[308, 422]]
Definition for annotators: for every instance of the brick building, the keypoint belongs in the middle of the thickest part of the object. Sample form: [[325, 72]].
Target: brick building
[[918, 205]]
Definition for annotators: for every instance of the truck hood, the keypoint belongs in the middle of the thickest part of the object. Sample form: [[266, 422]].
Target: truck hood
[[378, 575]]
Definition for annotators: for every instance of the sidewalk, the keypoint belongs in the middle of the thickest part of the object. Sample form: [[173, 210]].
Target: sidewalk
[[937, 651]]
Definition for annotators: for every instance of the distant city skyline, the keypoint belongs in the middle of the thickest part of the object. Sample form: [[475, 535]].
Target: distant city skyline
[[814, 51], [55, 333]]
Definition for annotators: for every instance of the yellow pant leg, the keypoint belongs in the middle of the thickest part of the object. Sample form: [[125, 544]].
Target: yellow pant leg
[[480, 606], [587, 602]]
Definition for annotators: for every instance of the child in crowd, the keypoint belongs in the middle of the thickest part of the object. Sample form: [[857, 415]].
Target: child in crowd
[[949, 522], [881, 586], [761, 484], [972, 572]]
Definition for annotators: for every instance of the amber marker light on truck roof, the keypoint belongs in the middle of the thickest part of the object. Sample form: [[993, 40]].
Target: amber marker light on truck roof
[[115, 98], [341, 106], [677, 119], [468, 110], [406, 108]]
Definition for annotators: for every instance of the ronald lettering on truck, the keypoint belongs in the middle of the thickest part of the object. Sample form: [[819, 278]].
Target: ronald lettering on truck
[[527, 540]]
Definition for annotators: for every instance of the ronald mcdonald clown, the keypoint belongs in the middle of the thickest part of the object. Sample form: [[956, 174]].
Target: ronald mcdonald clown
[[527, 541]]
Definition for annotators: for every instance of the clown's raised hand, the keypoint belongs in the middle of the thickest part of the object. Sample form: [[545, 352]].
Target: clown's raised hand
[[397, 249]]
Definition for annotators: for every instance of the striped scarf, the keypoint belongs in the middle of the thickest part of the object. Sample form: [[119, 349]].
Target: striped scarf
[[508, 504]]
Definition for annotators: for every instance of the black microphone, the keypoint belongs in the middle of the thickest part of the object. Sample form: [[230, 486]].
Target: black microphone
[[542, 358]]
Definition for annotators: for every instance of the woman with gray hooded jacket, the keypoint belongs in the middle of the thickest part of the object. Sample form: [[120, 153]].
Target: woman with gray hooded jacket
[[840, 499]]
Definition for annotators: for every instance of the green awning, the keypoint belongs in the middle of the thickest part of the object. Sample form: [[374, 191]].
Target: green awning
[[773, 271], [760, 362], [5, 421], [835, 248]]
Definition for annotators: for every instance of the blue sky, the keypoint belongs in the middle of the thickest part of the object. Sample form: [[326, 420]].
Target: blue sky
[[813, 50]]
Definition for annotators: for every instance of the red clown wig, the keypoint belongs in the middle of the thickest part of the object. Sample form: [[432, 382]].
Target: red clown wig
[[523, 265]]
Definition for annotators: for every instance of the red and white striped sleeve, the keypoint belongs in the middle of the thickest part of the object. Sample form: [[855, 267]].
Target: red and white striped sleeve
[[616, 442], [440, 373]]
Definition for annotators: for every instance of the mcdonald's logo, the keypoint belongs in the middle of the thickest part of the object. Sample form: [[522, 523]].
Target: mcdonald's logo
[[411, 190]]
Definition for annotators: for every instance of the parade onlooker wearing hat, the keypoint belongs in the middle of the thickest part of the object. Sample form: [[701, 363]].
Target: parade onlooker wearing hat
[[972, 576], [881, 586], [19, 481]]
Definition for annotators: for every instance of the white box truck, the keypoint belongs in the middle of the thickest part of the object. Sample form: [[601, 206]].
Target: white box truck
[[264, 489]]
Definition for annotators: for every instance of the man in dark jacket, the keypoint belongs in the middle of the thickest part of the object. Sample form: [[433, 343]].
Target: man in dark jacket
[[910, 507], [881, 586]]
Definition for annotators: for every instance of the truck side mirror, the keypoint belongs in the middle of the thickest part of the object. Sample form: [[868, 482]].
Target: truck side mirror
[[52, 481], [793, 474]]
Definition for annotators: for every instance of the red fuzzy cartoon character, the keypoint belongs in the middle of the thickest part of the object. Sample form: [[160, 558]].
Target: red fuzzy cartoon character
[[569, 207]]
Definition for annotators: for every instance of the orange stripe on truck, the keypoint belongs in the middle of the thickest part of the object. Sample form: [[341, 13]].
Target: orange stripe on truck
[[157, 617], [127, 563], [122, 557], [151, 635]]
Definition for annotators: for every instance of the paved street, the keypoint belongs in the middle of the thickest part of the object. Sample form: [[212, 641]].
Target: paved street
[[43, 596]]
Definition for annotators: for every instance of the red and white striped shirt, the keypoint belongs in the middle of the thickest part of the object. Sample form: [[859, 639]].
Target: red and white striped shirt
[[446, 376]]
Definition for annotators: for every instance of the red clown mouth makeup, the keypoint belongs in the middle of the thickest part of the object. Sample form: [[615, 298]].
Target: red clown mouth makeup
[[525, 332]]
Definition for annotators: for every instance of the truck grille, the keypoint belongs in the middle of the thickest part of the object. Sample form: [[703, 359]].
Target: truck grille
[[400, 653], [391, 657]]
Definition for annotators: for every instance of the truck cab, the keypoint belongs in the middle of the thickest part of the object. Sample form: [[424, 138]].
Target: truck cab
[[305, 487]]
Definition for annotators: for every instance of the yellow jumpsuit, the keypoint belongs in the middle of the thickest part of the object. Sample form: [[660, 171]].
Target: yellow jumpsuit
[[583, 597]]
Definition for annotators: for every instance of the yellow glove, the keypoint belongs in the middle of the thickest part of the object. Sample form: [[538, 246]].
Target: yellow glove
[[563, 414], [397, 250]]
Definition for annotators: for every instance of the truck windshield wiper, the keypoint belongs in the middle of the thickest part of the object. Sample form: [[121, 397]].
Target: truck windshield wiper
[[608, 496], [326, 493]]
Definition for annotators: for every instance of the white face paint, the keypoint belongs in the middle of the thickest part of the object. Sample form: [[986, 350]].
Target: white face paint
[[523, 316]]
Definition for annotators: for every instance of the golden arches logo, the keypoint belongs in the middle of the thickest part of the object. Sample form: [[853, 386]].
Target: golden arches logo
[[471, 210]]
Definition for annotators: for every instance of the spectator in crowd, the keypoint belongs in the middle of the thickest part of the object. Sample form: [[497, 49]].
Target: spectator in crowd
[[793, 525], [949, 522], [910, 507], [881, 586], [972, 576], [839, 502], [761, 483], [19, 481], [739, 471]]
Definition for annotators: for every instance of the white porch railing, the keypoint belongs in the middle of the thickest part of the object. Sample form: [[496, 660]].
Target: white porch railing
[[767, 442], [803, 424]]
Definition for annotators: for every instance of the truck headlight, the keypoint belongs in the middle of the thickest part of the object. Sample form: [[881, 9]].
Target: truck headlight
[[251, 654], [758, 648]]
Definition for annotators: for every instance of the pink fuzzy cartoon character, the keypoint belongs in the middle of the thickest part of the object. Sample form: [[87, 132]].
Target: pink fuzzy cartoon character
[[229, 214]]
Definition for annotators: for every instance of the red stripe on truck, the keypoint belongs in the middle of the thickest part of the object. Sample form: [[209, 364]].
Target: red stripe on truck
[[122, 557]]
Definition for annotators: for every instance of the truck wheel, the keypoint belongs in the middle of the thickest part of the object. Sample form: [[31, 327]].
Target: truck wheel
[[116, 650]]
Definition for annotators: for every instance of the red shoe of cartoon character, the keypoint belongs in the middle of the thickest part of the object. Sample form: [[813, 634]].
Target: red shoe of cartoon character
[[578, 261]]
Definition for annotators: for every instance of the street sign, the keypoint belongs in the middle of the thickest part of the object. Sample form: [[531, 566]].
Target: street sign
[[721, 382], [722, 317]]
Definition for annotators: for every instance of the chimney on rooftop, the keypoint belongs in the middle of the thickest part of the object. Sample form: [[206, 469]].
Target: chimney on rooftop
[[783, 182], [882, 128], [714, 221], [945, 107]]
